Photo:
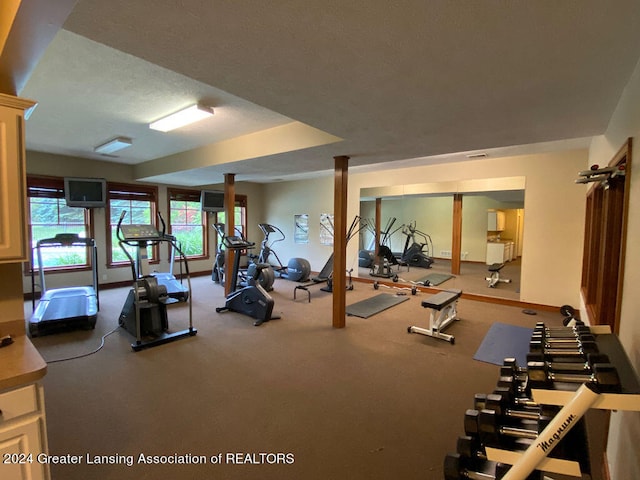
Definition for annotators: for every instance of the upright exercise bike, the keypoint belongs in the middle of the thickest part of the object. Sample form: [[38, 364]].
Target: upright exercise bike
[[251, 299], [265, 276], [144, 314]]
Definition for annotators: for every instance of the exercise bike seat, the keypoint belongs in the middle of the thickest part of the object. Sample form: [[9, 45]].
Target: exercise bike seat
[[496, 267]]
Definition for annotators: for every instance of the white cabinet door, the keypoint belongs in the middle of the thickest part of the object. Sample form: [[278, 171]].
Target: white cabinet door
[[495, 253], [13, 228], [496, 221], [20, 445], [23, 434]]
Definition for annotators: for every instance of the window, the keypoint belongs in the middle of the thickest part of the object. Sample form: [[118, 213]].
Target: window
[[140, 204], [49, 216], [240, 216], [604, 243], [187, 222]]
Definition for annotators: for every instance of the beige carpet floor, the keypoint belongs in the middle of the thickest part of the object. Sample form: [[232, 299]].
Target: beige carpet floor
[[369, 401]]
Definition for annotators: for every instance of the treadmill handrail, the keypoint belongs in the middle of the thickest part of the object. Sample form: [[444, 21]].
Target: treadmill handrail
[[66, 240], [57, 242]]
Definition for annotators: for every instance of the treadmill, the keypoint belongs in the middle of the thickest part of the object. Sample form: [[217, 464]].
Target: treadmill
[[65, 308]]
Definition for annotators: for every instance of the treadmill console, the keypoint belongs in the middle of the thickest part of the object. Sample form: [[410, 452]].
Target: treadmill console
[[138, 232]]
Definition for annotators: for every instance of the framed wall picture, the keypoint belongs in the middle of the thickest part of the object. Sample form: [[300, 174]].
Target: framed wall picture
[[301, 228], [326, 229]]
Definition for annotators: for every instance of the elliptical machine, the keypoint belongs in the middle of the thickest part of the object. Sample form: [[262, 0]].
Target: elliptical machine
[[297, 269], [144, 314], [416, 253], [252, 299]]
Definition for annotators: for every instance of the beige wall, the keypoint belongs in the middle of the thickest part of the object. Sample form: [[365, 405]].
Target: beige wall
[[624, 436], [284, 200]]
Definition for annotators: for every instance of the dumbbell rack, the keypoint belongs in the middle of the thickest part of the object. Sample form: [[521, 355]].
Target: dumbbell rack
[[562, 395]]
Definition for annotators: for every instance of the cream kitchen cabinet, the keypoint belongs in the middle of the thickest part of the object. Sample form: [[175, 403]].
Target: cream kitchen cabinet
[[13, 227], [23, 437], [497, 252], [495, 221], [23, 432]]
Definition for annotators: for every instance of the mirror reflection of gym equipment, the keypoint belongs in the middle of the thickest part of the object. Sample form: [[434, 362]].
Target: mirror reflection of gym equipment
[[144, 314], [434, 214]]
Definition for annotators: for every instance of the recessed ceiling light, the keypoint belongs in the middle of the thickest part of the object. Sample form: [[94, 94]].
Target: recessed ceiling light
[[114, 145], [186, 116]]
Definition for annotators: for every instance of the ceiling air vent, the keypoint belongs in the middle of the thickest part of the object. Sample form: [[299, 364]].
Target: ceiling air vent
[[477, 155]]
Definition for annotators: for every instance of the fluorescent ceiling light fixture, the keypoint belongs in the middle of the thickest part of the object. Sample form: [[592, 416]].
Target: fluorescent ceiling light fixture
[[189, 115], [114, 145]]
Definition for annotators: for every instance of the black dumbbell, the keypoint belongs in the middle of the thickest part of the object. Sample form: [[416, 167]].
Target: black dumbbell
[[519, 386], [578, 365], [572, 321], [581, 350], [479, 400], [604, 375], [557, 335], [457, 467], [516, 399], [510, 368], [569, 314], [560, 331], [469, 446], [493, 433], [562, 336], [471, 422], [563, 342], [502, 405]]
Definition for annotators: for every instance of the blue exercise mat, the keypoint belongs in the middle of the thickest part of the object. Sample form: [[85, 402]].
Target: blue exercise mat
[[504, 341]]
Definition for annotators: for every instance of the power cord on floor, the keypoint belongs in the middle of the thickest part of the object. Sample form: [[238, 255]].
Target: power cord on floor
[[88, 353]]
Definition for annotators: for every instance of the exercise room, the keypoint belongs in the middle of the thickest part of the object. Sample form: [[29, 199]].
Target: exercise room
[[388, 244]]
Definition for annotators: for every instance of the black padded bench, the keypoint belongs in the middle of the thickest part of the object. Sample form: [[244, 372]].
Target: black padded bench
[[494, 277], [443, 311]]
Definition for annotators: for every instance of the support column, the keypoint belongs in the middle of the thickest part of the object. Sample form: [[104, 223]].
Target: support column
[[378, 225], [456, 241], [340, 241], [229, 226]]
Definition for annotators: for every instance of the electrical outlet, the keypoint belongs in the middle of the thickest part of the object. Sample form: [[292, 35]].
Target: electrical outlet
[[104, 276]]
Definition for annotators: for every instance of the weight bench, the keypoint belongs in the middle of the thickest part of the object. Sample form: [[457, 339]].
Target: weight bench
[[494, 278], [443, 311]]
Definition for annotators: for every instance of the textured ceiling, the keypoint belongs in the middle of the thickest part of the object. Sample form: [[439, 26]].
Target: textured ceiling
[[385, 81]]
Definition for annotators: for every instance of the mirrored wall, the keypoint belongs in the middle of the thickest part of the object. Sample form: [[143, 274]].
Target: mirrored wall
[[421, 221]]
